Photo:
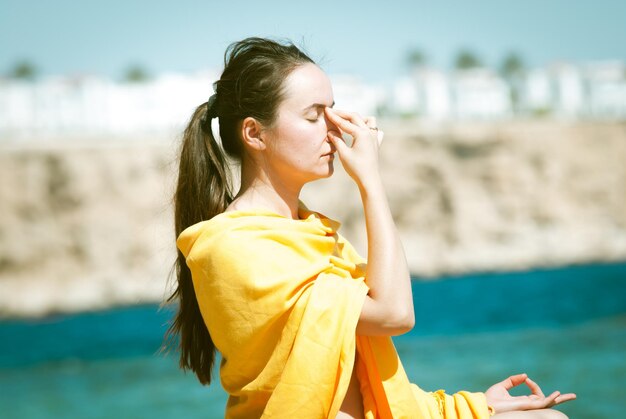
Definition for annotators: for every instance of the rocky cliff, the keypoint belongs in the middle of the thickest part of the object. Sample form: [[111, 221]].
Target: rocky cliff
[[87, 226]]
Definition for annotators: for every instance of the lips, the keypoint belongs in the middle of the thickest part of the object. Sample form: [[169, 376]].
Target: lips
[[333, 150], [332, 153]]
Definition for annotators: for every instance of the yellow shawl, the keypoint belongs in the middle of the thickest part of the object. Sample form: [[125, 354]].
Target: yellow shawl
[[281, 299]]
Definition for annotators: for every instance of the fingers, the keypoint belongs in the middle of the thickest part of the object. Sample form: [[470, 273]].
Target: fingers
[[537, 400], [553, 399], [564, 398], [338, 142], [346, 121], [514, 380], [353, 117], [370, 121], [342, 124], [534, 387], [350, 122], [530, 403]]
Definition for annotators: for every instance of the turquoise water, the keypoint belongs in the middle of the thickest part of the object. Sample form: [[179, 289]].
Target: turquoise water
[[565, 327]]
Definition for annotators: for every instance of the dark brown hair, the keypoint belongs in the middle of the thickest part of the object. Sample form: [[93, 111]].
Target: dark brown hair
[[252, 84]]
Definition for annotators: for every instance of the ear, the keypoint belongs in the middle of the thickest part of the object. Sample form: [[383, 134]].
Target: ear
[[251, 131]]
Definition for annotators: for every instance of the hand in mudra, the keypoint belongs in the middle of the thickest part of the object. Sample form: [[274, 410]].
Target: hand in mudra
[[361, 158], [499, 398]]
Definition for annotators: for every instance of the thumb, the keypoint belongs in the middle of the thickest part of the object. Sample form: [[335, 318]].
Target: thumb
[[338, 142]]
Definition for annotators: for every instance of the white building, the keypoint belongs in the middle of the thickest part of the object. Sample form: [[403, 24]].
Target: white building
[[592, 90], [434, 87], [351, 93], [478, 93], [82, 106], [89, 106], [606, 89], [424, 93], [405, 96], [536, 96]]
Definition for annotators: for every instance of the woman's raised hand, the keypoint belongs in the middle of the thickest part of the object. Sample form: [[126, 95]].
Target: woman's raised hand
[[361, 159], [499, 398]]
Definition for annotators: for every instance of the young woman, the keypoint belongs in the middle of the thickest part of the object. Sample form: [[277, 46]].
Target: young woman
[[303, 323]]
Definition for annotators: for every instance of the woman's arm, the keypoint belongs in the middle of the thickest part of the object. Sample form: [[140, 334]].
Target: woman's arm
[[388, 308]]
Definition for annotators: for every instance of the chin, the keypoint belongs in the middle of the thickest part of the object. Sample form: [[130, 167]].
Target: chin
[[323, 171], [323, 175], [331, 169]]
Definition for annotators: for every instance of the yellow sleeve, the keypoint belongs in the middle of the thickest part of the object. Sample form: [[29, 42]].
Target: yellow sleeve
[[461, 405]]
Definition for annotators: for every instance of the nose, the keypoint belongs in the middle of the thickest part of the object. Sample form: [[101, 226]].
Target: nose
[[330, 126]]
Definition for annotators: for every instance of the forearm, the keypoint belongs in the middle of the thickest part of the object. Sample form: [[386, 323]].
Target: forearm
[[387, 272]]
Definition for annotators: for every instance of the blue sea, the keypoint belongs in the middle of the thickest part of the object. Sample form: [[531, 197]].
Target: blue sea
[[565, 327]]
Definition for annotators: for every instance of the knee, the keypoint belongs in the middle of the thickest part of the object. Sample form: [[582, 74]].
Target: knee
[[553, 414], [532, 414]]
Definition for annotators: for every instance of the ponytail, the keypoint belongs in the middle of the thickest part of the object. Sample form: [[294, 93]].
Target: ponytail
[[251, 85], [203, 190]]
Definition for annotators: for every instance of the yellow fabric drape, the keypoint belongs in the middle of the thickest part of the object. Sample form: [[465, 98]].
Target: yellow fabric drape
[[281, 299]]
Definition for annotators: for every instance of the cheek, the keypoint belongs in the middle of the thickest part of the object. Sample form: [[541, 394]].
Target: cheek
[[301, 141], [308, 135]]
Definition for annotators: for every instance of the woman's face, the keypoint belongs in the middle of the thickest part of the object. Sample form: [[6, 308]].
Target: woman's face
[[298, 148]]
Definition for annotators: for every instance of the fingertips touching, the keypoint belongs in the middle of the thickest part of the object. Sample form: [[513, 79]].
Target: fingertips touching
[[532, 385]]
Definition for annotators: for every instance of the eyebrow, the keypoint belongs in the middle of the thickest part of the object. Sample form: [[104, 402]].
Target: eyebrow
[[318, 105]]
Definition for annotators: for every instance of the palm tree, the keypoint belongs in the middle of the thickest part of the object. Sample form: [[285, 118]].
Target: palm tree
[[136, 74], [512, 65], [466, 59], [416, 58], [23, 70], [513, 71]]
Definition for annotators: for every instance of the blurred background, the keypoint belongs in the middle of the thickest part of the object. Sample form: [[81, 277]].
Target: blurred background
[[504, 160]]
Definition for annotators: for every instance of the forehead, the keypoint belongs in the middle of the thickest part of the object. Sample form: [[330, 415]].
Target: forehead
[[306, 85]]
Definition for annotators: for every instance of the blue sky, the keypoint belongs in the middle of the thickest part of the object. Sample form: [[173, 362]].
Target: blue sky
[[366, 38]]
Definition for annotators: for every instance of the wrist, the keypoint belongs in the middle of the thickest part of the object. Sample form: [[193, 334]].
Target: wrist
[[372, 186], [489, 403]]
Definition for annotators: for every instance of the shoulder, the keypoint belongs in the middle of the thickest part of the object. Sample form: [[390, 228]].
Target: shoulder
[[251, 241]]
